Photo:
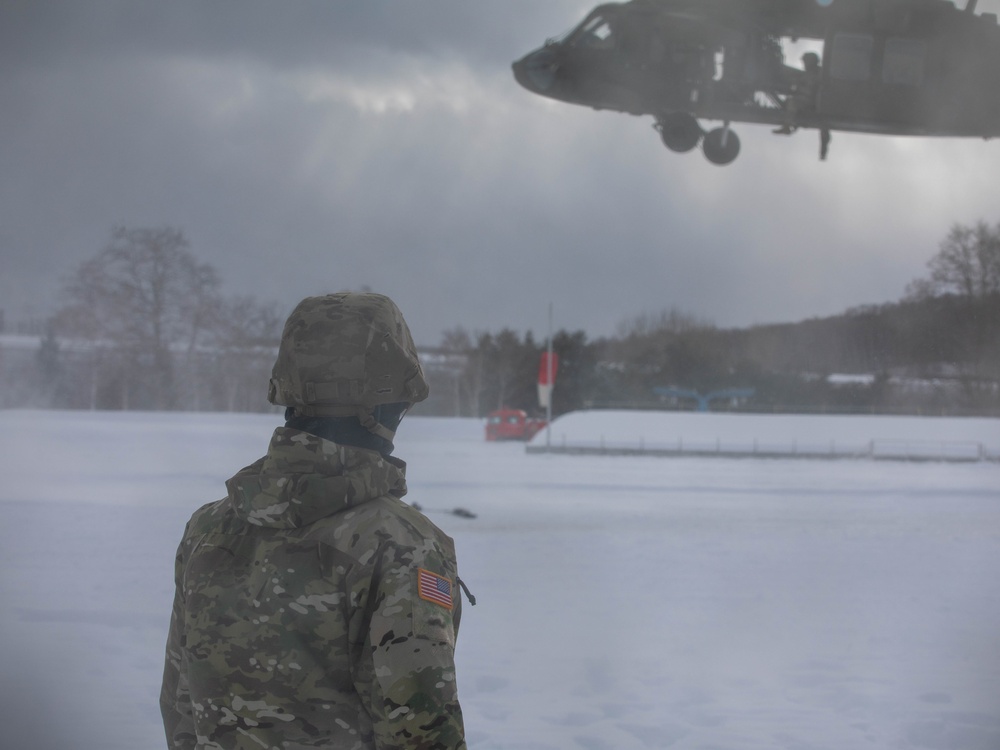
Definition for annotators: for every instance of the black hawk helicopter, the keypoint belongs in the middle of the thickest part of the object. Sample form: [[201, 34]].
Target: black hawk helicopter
[[894, 67]]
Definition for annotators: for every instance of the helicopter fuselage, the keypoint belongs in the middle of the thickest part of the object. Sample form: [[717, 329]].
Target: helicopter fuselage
[[897, 67]]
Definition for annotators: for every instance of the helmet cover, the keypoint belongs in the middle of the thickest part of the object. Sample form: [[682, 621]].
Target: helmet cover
[[344, 354]]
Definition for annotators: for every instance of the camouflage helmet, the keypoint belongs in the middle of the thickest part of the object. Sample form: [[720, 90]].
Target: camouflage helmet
[[344, 355]]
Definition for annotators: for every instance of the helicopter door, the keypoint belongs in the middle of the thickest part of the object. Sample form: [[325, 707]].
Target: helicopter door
[[874, 82], [903, 80]]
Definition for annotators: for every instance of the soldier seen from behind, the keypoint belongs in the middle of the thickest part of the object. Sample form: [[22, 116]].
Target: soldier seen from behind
[[314, 608]]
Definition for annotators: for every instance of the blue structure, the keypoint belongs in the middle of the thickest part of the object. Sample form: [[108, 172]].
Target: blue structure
[[703, 401]]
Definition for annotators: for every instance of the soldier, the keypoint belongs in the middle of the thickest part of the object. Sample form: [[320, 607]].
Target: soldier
[[313, 608], [803, 97]]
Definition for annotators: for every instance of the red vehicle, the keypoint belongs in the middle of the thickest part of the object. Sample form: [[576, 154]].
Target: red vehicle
[[512, 424]]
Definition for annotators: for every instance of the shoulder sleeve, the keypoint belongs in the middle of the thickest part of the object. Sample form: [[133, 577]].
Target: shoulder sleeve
[[411, 624]]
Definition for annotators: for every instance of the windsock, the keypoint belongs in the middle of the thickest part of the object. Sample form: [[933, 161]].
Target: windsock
[[547, 369]]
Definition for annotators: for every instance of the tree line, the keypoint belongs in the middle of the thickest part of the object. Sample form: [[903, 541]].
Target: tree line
[[144, 325], [936, 350]]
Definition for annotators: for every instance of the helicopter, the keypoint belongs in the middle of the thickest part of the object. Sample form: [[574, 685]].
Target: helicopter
[[891, 67]]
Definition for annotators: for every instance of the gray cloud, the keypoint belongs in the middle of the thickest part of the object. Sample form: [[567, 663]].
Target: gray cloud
[[307, 33], [328, 145]]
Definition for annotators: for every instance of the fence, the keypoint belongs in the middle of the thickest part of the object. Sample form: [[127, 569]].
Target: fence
[[878, 450], [913, 410]]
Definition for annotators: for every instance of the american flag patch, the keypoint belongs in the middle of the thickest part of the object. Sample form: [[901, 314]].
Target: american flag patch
[[433, 588]]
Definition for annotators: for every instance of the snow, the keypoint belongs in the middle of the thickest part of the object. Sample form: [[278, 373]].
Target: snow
[[699, 603]]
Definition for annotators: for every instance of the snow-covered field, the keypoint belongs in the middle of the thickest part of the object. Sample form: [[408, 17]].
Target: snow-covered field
[[624, 602]]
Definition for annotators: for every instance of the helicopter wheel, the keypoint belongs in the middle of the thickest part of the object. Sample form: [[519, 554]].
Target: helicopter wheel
[[721, 146], [679, 131]]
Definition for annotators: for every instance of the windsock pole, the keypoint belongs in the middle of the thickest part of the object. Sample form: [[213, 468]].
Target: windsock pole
[[548, 405]]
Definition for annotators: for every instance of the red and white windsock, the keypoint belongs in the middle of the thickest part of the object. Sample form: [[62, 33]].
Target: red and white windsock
[[547, 369]]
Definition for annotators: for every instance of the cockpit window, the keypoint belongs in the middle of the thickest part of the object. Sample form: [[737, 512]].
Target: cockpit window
[[852, 57], [596, 33], [904, 61]]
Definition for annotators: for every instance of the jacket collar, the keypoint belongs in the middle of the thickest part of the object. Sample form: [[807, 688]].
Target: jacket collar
[[304, 478]]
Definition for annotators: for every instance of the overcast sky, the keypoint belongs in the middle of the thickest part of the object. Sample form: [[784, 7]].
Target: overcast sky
[[307, 147]]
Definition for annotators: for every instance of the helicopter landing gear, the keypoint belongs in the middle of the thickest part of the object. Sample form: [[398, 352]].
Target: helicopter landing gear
[[679, 131], [721, 145]]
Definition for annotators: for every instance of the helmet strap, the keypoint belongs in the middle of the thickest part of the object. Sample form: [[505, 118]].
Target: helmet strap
[[368, 421]]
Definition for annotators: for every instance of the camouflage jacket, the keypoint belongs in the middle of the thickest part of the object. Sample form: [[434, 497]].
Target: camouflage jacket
[[313, 609]]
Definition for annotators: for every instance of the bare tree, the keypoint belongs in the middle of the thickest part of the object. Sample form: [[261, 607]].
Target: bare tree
[[245, 340], [465, 371], [141, 299], [967, 264], [665, 321]]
